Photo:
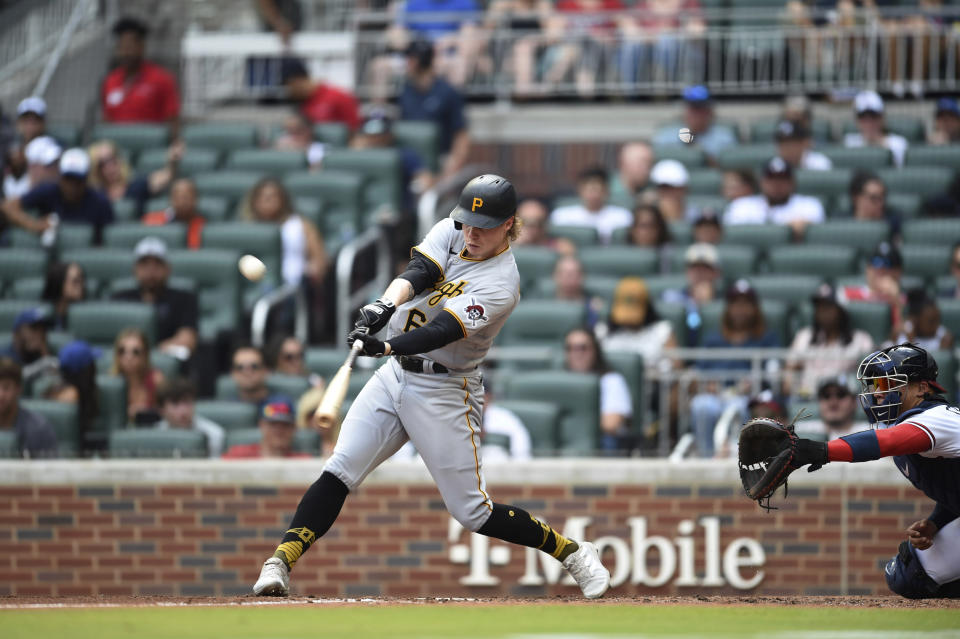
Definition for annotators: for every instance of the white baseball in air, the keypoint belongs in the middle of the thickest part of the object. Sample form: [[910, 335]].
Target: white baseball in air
[[252, 267], [685, 135]]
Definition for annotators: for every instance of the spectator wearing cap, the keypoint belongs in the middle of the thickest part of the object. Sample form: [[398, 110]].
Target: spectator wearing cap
[[138, 90], [838, 411], [77, 384], [42, 155], [798, 108], [70, 199], [946, 122], [868, 200], [249, 372], [698, 116], [868, 106], [297, 134], [376, 132], [568, 287], [671, 178], [794, 146], [777, 203], [634, 163], [317, 100], [742, 326], [31, 118], [882, 272], [534, 215], [923, 326], [277, 426], [594, 209], [35, 437], [703, 276], [176, 399], [29, 347], [634, 325], [175, 311], [427, 97], [828, 347], [182, 209], [706, 229]]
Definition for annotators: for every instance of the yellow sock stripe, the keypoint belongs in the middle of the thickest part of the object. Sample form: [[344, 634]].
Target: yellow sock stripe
[[291, 550], [476, 458], [562, 542]]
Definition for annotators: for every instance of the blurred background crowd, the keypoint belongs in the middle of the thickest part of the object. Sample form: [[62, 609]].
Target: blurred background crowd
[[726, 204]]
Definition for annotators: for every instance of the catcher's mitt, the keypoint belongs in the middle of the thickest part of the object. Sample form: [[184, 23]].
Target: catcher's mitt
[[769, 452]]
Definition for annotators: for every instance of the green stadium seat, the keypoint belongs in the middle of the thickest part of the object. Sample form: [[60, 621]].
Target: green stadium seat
[[631, 366], [223, 136], [132, 138], [534, 263], [325, 362], [746, 156], [868, 157], [824, 184], [763, 131], [936, 231], [715, 203], [262, 240], [66, 133], [619, 261], [128, 283], [824, 261], [126, 211], [193, 161], [213, 208], [950, 314], [266, 161], [358, 379], [774, 312], [863, 235], [945, 286], [101, 264], [9, 309], [926, 261], [947, 375], [421, 137], [577, 395], [16, 263], [289, 385], [333, 133], [230, 184], [153, 443], [681, 232], [232, 415], [542, 322], [907, 205], [22, 239], [8, 445], [112, 395], [541, 421], [658, 284], [705, 182], [28, 288], [918, 180], [691, 157], [909, 127], [305, 440], [787, 288], [311, 208], [99, 322], [759, 236], [872, 317], [947, 155], [215, 273], [735, 260], [63, 417], [242, 437], [382, 170], [579, 235], [75, 236], [126, 236], [58, 339], [341, 193]]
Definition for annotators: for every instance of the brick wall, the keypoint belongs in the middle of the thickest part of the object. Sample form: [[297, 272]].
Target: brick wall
[[395, 538]]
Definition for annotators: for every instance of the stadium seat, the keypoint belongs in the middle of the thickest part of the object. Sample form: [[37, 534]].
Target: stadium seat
[[311, 208], [305, 440], [715, 203], [420, 136], [132, 138], [266, 161], [657, 284], [230, 184], [935, 231], [126, 211], [335, 134], [534, 263], [325, 362], [112, 395], [154, 443], [213, 208], [67, 134], [541, 421], [631, 366], [681, 232], [691, 157], [788, 288], [764, 130], [577, 395], [290, 386], [16, 263], [944, 156], [358, 379], [947, 373], [863, 235], [909, 127], [735, 260], [63, 417], [193, 161], [872, 317], [382, 170], [9, 309], [950, 314], [619, 261], [926, 261], [907, 205], [945, 285], [919, 180], [223, 136], [824, 184], [99, 322], [22, 239], [824, 261], [579, 235], [262, 240], [28, 288], [774, 312], [705, 182], [341, 193], [75, 236], [542, 322], [759, 236], [232, 415], [8, 445], [215, 273], [127, 283], [867, 157], [126, 236], [746, 156], [101, 264]]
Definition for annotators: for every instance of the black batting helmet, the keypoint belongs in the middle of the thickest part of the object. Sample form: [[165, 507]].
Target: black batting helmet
[[486, 201]]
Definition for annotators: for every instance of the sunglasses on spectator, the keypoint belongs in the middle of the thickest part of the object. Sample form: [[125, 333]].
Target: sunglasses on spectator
[[577, 347], [250, 366], [293, 355], [136, 352]]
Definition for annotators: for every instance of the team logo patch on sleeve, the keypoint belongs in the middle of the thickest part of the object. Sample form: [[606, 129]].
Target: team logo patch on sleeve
[[475, 312]]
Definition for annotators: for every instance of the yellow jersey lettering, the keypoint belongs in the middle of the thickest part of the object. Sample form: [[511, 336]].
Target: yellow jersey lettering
[[447, 289], [415, 319]]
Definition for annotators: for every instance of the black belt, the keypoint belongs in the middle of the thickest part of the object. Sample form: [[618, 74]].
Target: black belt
[[420, 365]]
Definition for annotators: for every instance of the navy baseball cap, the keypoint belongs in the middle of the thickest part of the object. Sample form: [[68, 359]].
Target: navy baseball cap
[[376, 123], [886, 256], [790, 130], [948, 105], [77, 355], [278, 408], [697, 95], [741, 288], [31, 316], [777, 167]]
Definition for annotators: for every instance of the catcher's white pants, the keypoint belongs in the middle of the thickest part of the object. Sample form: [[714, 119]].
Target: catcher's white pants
[[440, 414], [942, 559]]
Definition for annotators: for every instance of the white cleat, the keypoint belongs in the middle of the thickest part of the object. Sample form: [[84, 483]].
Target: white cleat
[[274, 579], [587, 570]]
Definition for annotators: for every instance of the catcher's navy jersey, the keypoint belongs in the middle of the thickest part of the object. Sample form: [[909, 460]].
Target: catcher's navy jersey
[[936, 471]]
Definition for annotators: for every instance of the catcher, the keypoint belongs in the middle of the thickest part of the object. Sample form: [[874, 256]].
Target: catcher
[[914, 424]]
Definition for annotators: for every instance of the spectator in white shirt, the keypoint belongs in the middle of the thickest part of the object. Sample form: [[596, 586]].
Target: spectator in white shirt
[[778, 202], [504, 437], [868, 106], [671, 179], [594, 209], [794, 145], [177, 402]]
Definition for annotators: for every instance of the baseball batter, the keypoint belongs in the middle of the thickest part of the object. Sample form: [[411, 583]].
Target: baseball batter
[[442, 314]]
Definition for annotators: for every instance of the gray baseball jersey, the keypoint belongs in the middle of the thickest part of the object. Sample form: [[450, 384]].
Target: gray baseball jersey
[[439, 413]]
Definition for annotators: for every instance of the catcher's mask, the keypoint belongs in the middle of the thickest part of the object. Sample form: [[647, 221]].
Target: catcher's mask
[[885, 374]]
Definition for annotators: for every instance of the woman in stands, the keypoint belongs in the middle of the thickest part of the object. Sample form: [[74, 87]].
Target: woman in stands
[[650, 229], [65, 284], [131, 359], [111, 173]]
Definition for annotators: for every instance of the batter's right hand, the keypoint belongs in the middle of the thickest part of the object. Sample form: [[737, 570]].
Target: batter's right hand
[[374, 316]]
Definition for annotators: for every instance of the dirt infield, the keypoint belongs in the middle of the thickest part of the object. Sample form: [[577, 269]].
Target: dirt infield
[[14, 602]]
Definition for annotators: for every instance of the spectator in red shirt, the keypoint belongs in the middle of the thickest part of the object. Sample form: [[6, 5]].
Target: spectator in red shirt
[[277, 428], [138, 90], [319, 101]]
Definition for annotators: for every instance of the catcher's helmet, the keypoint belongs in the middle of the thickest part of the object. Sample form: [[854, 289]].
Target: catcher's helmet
[[486, 201], [885, 373]]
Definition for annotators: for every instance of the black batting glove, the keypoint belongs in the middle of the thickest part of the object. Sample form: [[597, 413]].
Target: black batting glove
[[375, 315], [372, 347]]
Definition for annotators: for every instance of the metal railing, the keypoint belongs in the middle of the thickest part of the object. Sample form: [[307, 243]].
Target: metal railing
[[350, 297]]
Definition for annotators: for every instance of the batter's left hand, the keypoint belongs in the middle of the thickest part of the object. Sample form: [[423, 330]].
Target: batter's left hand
[[921, 533], [372, 347]]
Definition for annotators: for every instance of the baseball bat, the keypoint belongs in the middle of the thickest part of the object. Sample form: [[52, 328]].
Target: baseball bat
[[328, 412]]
